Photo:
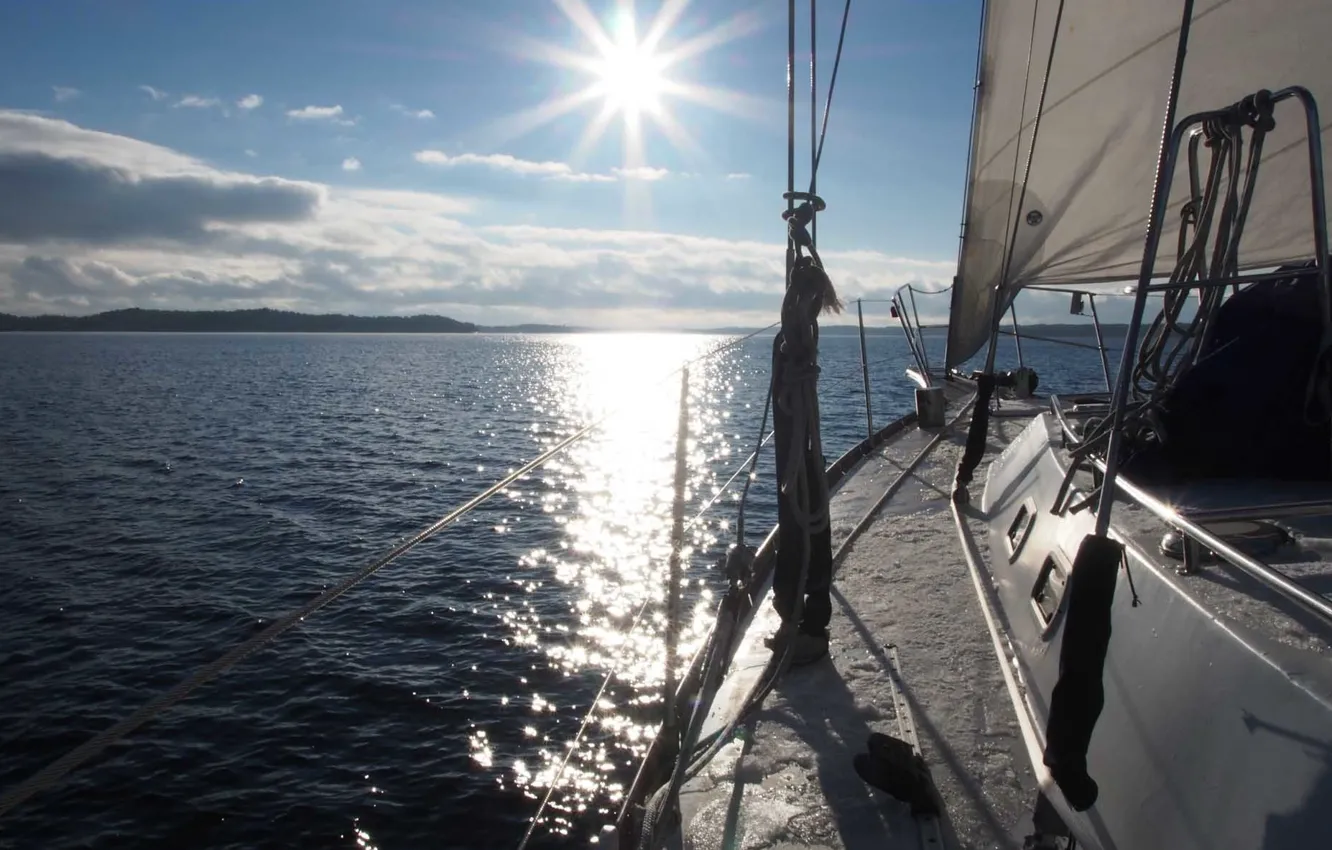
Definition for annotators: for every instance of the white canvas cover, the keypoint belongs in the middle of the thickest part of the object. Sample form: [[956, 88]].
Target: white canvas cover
[[1084, 217]]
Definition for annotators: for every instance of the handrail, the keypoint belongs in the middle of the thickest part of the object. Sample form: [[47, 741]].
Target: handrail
[[904, 298], [1172, 137], [912, 326], [1051, 339], [1269, 576], [1273, 578]]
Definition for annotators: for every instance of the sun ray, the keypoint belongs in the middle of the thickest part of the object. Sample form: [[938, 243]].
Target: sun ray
[[677, 135], [581, 16], [525, 47], [667, 15], [520, 124], [592, 134], [634, 79], [723, 100], [739, 26], [637, 195], [635, 156]]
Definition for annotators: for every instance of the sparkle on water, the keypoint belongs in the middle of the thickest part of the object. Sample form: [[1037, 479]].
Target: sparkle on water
[[500, 631], [616, 516]]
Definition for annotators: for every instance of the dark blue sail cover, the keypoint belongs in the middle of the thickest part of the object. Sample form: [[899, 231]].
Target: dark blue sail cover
[[1245, 409]]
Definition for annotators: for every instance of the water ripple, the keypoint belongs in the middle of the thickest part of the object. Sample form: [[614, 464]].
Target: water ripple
[[163, 497]]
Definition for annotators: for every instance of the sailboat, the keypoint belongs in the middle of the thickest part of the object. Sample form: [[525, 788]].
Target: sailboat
[[1099, 620]]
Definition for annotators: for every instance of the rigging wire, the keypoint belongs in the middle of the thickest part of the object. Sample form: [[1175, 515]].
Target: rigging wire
[[753, 465], [790, 137], [798, 395], [53, 773], [1017, 153], [813, 115], [56, 771], [832, 84]]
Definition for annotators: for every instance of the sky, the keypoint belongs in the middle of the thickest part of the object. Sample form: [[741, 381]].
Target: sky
[[599, 163]]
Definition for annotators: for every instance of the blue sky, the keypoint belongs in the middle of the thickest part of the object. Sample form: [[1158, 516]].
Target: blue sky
[[398, 144]]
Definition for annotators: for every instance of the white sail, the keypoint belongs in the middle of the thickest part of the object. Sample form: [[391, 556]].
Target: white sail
[[1084, 215]]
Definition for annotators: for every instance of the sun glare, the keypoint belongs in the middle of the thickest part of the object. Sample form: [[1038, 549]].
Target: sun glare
[[632, 77]]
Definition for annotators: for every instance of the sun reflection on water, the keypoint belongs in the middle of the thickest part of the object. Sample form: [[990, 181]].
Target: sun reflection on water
[[610, 497]]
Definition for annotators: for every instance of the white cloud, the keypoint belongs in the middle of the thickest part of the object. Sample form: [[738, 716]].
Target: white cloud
[[499, 161], [250, 152], [738, 175], [331, 114], [179, 233], [541, 168], [351, 163], [64, 93], [641, 172], [250, 101], [194, 101], [423, 114], [154, 93], [583, 177], [23, 133]]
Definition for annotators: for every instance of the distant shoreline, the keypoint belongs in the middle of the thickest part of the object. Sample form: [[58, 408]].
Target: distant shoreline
[[135, 320]]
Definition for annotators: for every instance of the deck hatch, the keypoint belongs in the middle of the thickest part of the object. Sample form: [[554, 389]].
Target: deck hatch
[[1049, 589], [1020, 528]]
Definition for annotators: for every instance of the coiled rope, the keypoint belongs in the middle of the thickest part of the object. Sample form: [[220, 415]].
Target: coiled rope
[[1171, 347], [51, 775]]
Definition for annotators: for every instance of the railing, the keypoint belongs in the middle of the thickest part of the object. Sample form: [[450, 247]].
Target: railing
[[1078, 298], [1254, 111], [904, 309], [1174, 518]]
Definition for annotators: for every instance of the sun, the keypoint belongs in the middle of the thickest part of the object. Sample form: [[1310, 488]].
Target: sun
[[631, 77]]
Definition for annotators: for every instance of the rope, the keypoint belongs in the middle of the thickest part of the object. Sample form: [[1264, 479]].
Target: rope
[[51, 775], [1171, 347]]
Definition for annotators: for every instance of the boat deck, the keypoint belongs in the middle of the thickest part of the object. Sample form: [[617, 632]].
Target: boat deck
[[909, 656]]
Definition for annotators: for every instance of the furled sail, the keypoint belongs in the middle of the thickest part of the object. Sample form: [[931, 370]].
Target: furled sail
[[1084, 213]]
